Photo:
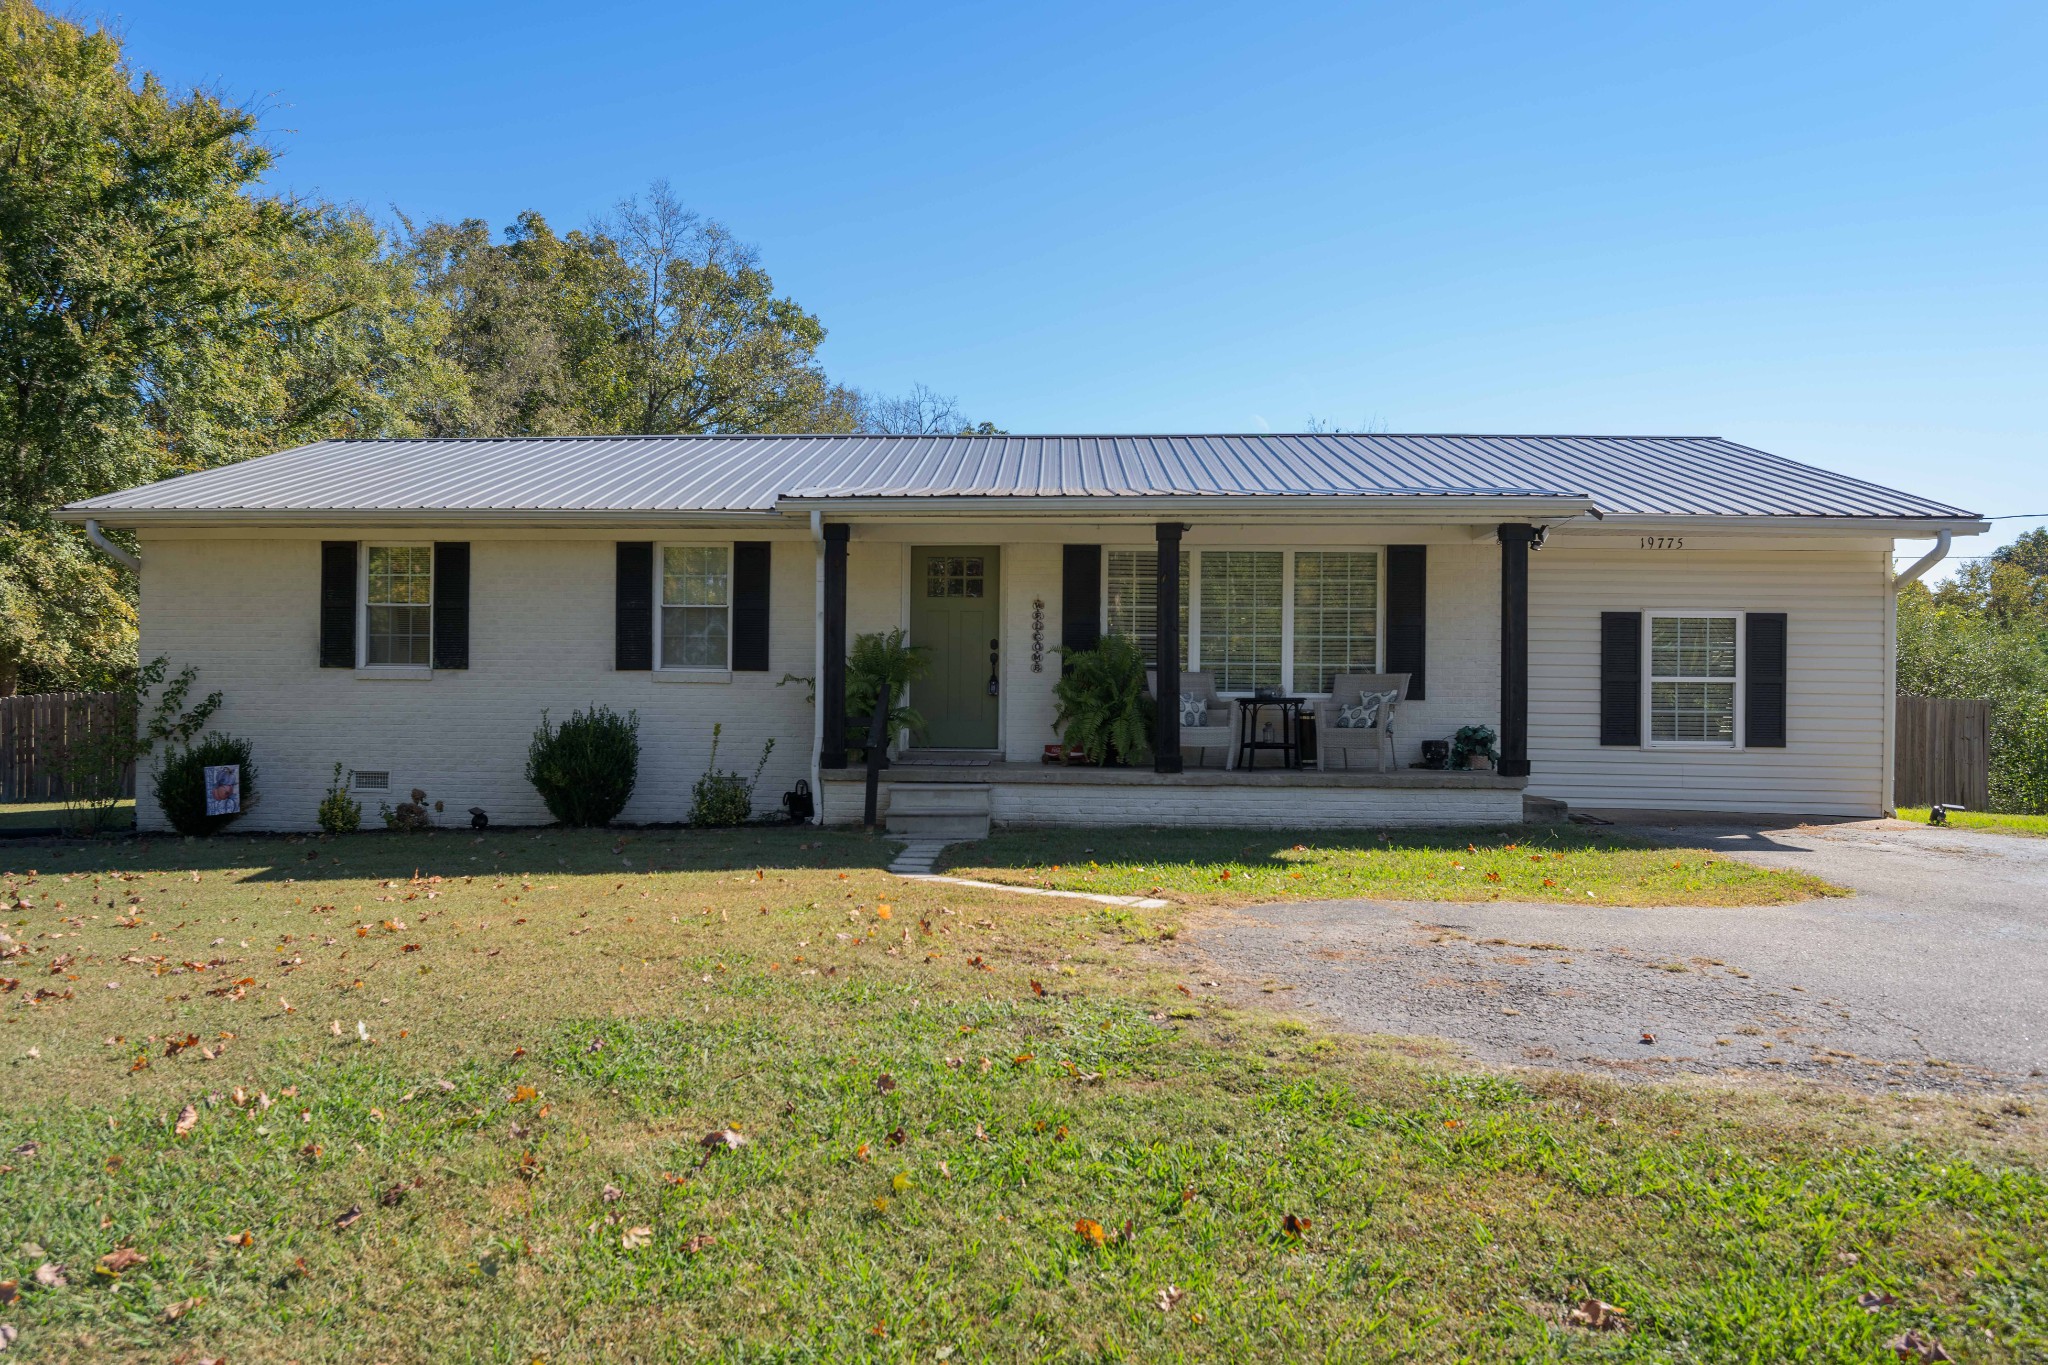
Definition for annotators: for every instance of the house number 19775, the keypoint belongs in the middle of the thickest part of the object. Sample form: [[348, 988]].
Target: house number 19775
[[1663, 542]]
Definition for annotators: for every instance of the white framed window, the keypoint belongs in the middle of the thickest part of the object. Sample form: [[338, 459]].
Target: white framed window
[[1336, 626], [1692, 678], [1130, 599], [1254, 617], [397, 599], [693, 613]]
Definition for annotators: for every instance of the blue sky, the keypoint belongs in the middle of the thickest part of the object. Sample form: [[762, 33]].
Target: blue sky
[[1814, 228]]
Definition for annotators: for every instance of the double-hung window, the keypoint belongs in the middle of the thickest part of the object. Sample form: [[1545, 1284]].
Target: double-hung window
[[398, 606], [1252, 618], [1336, 616], [1693, 676], [1131, 600], [695, 619]]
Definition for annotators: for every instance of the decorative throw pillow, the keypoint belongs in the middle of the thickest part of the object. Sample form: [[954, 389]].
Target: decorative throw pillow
[[1194, 709], [1365, 712]]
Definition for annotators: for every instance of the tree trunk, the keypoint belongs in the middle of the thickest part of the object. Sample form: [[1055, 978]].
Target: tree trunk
[[10, 674]]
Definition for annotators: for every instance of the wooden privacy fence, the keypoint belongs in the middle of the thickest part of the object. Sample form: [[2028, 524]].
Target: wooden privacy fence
[[34, 734], [1943, 752]]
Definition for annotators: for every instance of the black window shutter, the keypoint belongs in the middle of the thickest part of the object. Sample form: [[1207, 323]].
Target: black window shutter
[[633, 625], [337, 604], [750, 559], [451, 604], [1621, 678], [1408, 616], [1081, 597], [1763, 721]]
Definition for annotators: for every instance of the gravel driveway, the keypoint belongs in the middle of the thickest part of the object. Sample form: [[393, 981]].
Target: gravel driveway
[[1933, 976]]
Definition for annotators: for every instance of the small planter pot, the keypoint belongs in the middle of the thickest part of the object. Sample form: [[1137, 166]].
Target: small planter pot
[[1478, 763]]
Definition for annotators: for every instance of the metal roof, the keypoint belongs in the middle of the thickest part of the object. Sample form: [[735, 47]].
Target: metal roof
[[1647, 476]]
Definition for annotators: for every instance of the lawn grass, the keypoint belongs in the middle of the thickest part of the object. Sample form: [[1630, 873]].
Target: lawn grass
[[56, 815], [1553, 863], [932, 1100], [2035, 825]]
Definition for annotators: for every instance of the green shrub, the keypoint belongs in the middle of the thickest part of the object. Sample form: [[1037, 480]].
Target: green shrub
[[181, 783], [340, 813], [725, 798], [585, 768]]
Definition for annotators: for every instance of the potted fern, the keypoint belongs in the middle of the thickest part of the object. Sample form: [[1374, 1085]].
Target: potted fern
[[879, 661], [1104, 710]]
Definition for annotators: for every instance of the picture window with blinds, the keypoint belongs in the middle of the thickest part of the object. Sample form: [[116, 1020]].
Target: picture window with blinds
[[398, 606], [1692, 678], [694, 623], [1292, 619]]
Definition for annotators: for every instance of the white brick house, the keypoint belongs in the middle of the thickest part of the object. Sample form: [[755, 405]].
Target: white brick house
[[1677, 623]]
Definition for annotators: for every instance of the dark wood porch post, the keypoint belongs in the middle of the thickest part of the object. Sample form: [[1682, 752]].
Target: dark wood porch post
[[1166, 730], [832, 668], [1515, 540]]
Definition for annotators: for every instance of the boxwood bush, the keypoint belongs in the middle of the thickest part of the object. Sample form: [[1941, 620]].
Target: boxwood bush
[[181, 783], [585, 768]]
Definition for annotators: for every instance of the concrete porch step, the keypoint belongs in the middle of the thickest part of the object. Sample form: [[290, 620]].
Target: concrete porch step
[[939, 810], [1544, 810]]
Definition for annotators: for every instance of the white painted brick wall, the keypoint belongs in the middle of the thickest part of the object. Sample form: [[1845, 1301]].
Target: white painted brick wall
[[246, 611], [1033, 804]]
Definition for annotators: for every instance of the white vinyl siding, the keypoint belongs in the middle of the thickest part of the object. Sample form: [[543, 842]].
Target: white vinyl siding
[[694, 623], [398, 606], [1837, 690]]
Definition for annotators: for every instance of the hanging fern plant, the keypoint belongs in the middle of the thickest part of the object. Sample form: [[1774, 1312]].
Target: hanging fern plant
[[1103, 707]]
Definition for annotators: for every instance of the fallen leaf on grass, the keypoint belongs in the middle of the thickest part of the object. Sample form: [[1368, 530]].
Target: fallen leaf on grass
[[1168, 1297], [632, 1239], [700, 1242], [10, 1290], [613, 1194], [120, 1259], [1295, 1226], [723, 1139], [980, 1134], [1091, 1232], [1596, 1314], [885, 1083], [172, 1312], [188, 1119], [522, 1093], [1874, 1300], [348, 1219], [898, 1138], [1036, 989], [8, 1336], [395, 1196], [1914, 1344], [50, 1275]]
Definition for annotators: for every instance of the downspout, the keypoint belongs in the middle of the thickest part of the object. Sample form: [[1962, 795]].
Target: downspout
[[1891, 657], [1911, 575], [818, 672], [108, 548]]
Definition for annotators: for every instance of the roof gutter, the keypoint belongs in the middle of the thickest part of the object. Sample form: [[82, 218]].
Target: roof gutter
[[535, 517], [117, 553], [1925, 562], [1475, 508]]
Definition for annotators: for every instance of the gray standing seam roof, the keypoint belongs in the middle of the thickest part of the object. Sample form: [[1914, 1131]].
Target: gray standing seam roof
[[1622, 475]]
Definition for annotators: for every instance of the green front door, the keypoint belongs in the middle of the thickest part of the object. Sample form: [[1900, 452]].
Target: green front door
[[953, 614]]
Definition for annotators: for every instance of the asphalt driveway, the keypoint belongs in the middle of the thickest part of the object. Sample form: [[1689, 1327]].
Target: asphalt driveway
[[1933, 976]]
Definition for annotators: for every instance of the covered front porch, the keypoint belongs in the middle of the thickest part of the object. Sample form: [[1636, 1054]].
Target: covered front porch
[[956, 800], [1248, 598]]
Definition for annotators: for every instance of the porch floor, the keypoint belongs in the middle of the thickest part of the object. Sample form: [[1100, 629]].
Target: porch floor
[[1006, 773]]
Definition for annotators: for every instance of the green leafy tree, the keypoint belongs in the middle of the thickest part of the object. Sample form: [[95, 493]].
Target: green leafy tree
[[1953, 643], [160, 315]]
